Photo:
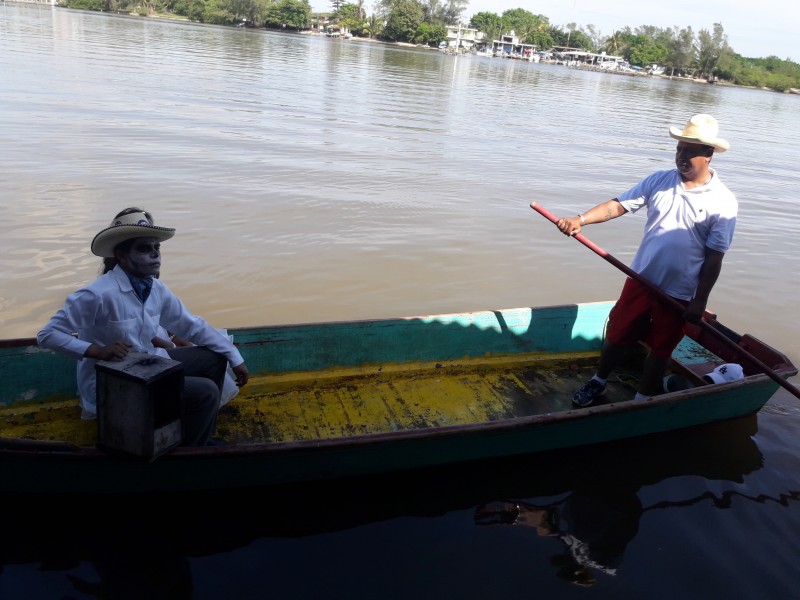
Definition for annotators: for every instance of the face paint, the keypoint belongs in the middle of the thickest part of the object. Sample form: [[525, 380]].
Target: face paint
[[144, 257]]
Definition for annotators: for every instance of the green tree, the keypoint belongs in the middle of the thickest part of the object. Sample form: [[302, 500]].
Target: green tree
[[651, 31], [349, 16], [384, 7], [403, 20], [615, 44], [87, 4], [491, 24], [288, 14], [572, 28], [710, 49], [530, 28], [559, 36], [430, 34], [451, 11], [579, 39], [518, 20], [215, 12], [430, 8], [252, 11], [443, 12], [642, 50], [374, 27], [191, 9], [594, 36], [682, 51]]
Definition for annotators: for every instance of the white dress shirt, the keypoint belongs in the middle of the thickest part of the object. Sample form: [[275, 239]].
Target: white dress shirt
[[108, 310]]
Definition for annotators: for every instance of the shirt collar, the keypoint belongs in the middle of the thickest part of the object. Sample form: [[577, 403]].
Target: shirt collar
[[141, 286]]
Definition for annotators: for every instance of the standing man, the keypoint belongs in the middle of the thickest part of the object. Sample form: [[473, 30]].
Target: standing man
[[121, 311], [691, 216]]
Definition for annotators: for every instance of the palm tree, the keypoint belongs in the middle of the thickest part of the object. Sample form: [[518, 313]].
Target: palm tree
[[374, 25], [615, 44]]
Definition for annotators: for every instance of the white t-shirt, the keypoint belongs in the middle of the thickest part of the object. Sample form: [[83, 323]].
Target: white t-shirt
[[108, 310], [680, 225]]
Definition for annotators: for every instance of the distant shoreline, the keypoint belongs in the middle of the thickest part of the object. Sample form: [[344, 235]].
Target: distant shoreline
[[606, 71], [180, 18]]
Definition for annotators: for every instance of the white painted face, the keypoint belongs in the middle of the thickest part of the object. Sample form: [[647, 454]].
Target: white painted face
[[144, 257]]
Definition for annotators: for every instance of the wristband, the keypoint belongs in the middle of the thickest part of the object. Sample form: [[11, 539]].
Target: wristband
[[583, 221]]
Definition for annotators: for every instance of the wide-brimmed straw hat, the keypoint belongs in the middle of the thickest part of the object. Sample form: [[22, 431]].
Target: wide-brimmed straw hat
[[126, 227], [701, 129]]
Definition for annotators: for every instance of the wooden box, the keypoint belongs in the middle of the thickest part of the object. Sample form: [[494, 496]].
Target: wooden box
[[139, 404]]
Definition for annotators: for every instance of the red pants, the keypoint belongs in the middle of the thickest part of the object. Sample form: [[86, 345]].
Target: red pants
[[641, 315]]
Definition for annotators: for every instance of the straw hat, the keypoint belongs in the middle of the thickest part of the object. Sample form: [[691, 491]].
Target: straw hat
[[701, 129], [126, 227]]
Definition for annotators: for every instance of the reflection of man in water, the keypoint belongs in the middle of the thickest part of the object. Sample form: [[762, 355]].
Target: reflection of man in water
[[595, 526]]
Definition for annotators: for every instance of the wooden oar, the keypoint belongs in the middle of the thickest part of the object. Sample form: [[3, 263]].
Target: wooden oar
[[678, 306]]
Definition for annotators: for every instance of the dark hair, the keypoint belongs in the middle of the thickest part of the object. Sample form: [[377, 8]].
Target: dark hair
[[110, 262]]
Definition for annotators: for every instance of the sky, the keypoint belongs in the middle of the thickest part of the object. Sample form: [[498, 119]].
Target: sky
[[754, 30]]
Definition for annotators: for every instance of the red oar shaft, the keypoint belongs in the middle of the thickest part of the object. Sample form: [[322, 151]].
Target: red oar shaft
[[620, 265], [655, 289]]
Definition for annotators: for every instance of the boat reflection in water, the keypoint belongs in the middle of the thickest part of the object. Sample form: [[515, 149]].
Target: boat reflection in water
[[141, 546], [598, 514]]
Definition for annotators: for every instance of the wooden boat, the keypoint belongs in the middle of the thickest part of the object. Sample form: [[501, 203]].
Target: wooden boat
[[342, 399]]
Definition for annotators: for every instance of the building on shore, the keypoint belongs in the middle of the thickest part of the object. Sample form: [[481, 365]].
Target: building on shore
[[576, 57], [461, 38], [509, 46]]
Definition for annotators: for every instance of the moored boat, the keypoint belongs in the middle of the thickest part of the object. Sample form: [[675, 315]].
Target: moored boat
[[341, 399]]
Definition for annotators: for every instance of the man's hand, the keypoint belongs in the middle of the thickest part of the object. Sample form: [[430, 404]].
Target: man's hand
[[115, 351], [694, 311], [569, 225], [242, 375]]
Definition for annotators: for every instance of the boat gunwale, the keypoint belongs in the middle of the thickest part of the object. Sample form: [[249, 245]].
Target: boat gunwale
[[31, 341]]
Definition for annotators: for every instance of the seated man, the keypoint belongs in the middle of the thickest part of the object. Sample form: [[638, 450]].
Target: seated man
[[121, 311]]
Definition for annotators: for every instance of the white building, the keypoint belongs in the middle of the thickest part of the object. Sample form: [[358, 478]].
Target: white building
[[509, 46], [462, 38]]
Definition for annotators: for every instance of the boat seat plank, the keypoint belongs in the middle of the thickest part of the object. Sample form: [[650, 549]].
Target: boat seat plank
[[692, 361]]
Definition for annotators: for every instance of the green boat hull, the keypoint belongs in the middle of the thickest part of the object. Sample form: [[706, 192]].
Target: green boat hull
[[342, 399]]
